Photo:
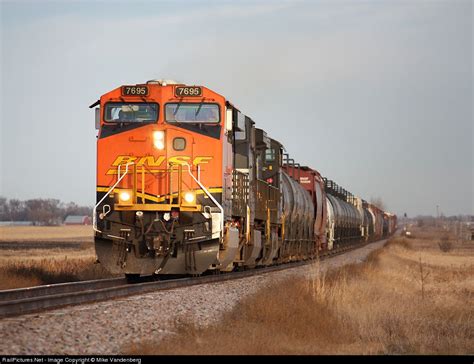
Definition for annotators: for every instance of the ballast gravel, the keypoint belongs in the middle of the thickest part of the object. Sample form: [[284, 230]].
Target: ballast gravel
[[108, 327]]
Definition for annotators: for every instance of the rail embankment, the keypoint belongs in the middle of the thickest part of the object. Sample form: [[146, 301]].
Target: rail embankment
[[412, 297]]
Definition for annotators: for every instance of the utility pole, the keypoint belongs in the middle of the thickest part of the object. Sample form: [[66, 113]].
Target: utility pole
[[437, 215]]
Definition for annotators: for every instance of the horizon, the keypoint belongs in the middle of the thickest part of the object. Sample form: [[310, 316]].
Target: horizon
[[400, 216]]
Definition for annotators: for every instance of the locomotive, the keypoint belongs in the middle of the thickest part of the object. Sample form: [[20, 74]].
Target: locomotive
[[186, 183]]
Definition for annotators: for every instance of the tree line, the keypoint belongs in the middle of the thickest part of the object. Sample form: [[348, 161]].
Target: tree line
[[40, 211]]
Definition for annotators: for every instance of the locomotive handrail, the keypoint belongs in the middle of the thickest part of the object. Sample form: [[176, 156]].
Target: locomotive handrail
[[120, 177], [210, 196]]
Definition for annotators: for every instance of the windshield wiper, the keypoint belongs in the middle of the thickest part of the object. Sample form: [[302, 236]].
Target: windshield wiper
[[151, 104], [199, 108], [177, 107]]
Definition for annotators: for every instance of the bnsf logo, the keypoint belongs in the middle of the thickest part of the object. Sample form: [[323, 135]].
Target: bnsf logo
[[151, 162]]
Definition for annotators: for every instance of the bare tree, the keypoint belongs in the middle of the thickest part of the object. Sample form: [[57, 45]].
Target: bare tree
[[4, 211], [422, 280], [16, 209], [43, 211], [40, 211], [72, 208]]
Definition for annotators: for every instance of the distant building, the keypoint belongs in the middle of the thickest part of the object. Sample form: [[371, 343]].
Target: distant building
[[77, 220]]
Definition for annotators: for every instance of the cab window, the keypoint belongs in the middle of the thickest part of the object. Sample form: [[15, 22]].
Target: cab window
[[270, 155], [192, 113], [126, 112]]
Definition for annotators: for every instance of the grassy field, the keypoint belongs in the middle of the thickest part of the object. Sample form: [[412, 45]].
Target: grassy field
[[407, 298], [81, 233], [35, 255]]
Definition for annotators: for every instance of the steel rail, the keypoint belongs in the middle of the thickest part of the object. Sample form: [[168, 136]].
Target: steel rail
[[58, 288], [33, 299]]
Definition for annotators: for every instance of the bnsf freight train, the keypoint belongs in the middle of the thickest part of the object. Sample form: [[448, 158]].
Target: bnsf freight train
[[186, 183]]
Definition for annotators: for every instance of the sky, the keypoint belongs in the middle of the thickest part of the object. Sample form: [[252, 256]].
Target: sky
[[376, 95]]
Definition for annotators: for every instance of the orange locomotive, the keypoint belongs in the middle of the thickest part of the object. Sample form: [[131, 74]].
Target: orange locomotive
[[186, 183], [159, 164]]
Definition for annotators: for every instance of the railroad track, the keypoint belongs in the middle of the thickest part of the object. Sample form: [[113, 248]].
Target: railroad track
[[32, 299]]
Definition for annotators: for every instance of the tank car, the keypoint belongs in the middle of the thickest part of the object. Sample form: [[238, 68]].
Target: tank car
[[312, 181], [345, 220]]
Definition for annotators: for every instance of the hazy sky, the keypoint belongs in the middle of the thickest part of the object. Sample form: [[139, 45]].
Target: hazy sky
[[376, 95]]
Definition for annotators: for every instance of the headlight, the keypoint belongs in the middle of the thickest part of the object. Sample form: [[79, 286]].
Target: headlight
[[190, 197], [125, 197], [159, 139]]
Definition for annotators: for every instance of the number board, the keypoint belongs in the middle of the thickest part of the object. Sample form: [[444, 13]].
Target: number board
[[134, 91], [185, 91]]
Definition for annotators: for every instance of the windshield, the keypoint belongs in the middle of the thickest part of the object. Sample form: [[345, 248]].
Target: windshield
[[192, 113], [127, 112]]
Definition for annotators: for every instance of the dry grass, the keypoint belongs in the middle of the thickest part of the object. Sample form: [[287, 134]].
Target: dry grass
[[32, 255], [33, 272], [46, 233], [372, 308]]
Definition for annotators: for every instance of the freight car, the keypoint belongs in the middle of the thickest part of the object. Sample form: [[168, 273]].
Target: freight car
[[186, 183]]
